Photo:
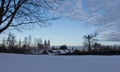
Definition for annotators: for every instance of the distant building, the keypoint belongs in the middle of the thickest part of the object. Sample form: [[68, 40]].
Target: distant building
[[46, 45], [43, 47]]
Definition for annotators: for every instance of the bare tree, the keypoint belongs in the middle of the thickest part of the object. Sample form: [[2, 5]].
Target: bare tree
[[89, 40], [96, 46], [19, 43], [29, 40], [11, 40], [16, 13], [25, 42]]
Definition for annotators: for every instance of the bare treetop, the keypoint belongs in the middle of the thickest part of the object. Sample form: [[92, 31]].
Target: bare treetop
[[14, 13]]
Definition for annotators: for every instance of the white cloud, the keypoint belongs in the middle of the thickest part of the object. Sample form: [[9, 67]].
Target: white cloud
[[104, 14]]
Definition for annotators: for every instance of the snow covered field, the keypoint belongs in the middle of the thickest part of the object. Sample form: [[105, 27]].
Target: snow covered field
[[47, 63]]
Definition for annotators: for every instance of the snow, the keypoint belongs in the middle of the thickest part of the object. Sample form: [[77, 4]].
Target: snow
[[50, 63]]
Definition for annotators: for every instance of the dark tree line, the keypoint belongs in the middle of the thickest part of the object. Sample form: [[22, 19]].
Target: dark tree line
[[92, 47], [12, 45], [97, 50]]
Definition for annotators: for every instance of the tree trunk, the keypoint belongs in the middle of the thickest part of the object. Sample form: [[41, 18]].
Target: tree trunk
[[89, 43]]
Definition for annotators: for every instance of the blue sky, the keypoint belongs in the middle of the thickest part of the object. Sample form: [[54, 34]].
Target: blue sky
[[61, 31], [79, 18]]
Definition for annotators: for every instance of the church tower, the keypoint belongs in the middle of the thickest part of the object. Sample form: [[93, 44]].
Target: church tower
[[48, 44], [45, 42]]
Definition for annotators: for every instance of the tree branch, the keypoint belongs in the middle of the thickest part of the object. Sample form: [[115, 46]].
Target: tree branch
[[1, 10], [13, 14]]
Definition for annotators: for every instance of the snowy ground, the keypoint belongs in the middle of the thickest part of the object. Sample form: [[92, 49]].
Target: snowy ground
[[45, 63]]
